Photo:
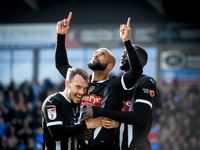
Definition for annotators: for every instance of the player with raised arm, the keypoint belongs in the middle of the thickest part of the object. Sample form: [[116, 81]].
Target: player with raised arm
[[136, 116], [103, 92]]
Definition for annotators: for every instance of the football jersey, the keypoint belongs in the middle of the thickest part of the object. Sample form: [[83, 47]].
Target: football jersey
[[58, 110], [136, 116], [105, 95], [108, 93], [136, 136]]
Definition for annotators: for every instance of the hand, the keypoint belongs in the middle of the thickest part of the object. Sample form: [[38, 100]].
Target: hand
[[63, 26], [94, 123], [109, 123], [125, 30], [87, 113], [85, 135]]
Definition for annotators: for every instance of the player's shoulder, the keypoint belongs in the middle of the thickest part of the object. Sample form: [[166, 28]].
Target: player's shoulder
[[147, 80], [112, 80], [52, 99]]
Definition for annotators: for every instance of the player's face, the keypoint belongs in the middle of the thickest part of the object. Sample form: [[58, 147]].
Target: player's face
[[77, 88], [99, 60], [124, 64]]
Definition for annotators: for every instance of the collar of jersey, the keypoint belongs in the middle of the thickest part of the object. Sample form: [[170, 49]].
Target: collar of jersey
[[99, 81], [65, 97]]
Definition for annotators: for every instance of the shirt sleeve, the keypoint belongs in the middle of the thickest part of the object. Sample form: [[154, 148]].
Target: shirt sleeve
[[61, 59], [60, 132], [145, 98], [146, 91], [52, 112], [129, 117]]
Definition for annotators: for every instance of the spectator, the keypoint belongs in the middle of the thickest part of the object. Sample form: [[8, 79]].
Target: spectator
[[177, 130]]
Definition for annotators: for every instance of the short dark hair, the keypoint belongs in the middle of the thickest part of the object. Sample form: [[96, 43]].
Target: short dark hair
[[141, 52], [72, 72]]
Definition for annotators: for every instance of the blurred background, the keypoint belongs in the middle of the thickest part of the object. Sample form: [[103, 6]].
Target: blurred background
[[169, 30]]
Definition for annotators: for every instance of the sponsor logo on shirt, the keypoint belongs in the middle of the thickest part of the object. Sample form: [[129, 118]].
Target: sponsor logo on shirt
[[50, 100], [126, 105], [52, 113], [152, 81], [91, 99], [150, 92]]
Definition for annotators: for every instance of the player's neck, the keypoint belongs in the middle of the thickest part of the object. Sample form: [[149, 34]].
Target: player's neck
[[99, 75]]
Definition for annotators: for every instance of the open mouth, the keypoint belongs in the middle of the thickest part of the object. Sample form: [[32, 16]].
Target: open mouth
[[78, 97]]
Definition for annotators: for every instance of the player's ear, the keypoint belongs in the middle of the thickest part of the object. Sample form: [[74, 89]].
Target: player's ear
[[67, 83], [110, 66], [141, 61]]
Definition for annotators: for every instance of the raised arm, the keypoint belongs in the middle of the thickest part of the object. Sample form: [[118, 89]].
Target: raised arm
[[130, 77], [61, 59]]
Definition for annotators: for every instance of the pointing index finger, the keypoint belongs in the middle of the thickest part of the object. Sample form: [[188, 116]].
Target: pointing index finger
[[69, 16], [128, 21]]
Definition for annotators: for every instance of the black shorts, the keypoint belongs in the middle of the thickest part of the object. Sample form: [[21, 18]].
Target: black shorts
[[97, 145]]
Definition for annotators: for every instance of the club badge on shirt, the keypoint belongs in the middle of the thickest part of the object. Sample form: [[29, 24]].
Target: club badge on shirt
[[91, 88], [52, 113]]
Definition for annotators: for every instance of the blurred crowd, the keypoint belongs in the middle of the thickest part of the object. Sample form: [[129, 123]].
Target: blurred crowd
[[20, 115], [177, 121], [176, 125]]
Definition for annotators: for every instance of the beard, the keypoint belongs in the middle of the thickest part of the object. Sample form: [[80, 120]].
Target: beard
[[97, 66], [125, 66], [70, 93]]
